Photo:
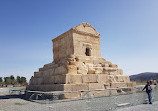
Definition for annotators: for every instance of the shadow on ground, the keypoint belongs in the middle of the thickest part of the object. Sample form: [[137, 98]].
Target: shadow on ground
[[12, 96]]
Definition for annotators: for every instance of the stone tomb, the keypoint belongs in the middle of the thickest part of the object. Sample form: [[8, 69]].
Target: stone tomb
[[78, 65]]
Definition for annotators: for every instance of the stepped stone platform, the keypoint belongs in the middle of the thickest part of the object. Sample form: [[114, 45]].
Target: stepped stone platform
[[78, 65]]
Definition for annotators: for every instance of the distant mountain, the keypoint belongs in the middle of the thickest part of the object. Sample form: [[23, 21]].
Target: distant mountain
[[144, 76]]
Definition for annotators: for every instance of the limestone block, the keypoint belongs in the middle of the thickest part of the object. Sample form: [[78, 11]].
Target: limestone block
[[113, 65], [95, 86], [105, 65], [60, 70], [119, 78], [60, 79], [46, 73], [91, 70], [36, 74], [72, 69], [89, 64], [80, 64], [50, 80], [118, 84], [126, 79], [50, 87], [105, 71], [99, 70], [134, 84], [108, 62], [90, 78], [111, 78], [102, 78], [120, 71], [102, 59], [40, 73], [78, 87], [107, 85], [47, 66], [53, 87], [40, 69], [52, 72], [113, 92], [109, 69], [46, 80], [70, 95], [88, 60], [34, 81], [82, 69], [74, 79], [31, 82], [39, 81], [72, 62], [100, 93], [98, 65], [131, 84], [98, 61], [65, 62], [130, 90], [113, 73], [84, 94], [54, 65], [71, 87]]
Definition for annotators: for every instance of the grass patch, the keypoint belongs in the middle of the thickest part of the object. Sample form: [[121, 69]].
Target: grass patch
[[18, 104]]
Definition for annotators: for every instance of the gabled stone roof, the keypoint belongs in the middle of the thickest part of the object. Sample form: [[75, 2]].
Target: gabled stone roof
[[83, 28]]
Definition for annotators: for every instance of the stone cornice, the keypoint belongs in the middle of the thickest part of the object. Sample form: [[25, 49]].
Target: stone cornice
[[85, 33], [63, 35]]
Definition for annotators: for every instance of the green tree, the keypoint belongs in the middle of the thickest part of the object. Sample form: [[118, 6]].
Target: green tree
[[7, 80], [23, 80], [1, 80], [18, 79], [12, 77]]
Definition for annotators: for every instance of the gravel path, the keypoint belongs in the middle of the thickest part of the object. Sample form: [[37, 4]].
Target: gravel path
[[142, 107], [23, 105]]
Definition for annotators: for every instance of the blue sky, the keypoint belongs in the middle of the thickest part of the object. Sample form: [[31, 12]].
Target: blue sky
[[128, 28]]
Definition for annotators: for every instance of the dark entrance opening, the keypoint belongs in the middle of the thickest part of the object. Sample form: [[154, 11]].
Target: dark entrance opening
[[88, 52]]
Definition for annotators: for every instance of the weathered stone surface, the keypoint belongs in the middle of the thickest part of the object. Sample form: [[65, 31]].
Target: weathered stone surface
[[91, 70], [72, 69], [99, 93], [79, 87], [74, 79], [113, 92], [95, 86], [118, 84], [60, 70], [107, 85], [121, 78], [99, 70], [82, 69], [60, 79], [78, 66], [102, 78], [120, 71], [70, 95], [89, 78], [111, 78]]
